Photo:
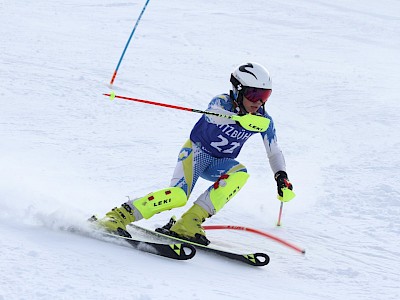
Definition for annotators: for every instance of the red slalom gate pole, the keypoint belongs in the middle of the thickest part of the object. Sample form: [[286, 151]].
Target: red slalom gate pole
[[259, 232]]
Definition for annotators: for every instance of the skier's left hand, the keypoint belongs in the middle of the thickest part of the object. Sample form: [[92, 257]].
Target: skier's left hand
[[282, 181]]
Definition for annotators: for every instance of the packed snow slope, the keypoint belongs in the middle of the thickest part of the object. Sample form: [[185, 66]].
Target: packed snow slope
[[68, 152]]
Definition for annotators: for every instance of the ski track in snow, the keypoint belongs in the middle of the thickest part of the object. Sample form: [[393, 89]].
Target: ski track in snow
[[68, 152]]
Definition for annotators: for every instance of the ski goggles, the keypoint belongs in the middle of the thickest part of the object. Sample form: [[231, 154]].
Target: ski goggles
[[256, 94]]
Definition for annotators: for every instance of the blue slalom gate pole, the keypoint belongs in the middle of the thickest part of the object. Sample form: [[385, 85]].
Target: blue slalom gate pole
[[129, 40]]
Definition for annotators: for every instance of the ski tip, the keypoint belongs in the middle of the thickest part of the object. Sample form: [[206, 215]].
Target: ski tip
[[257, 259], [187, 251]]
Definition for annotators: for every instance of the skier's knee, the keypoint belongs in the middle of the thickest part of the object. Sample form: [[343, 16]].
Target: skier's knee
[[237, 168], [160, 201], [223, 190]]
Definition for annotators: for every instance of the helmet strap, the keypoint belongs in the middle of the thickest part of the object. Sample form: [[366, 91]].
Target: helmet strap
[[263, 108], [239, 101]]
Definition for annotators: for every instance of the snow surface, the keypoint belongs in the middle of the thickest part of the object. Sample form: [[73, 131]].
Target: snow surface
[[68, 152]]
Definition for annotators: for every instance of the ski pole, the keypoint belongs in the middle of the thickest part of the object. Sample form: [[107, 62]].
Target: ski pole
[[280, 215], [287, 195], [127, 43], [250, 122]]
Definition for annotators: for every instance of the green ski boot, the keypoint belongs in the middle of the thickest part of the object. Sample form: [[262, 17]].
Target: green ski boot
[[117, 219], [189, 227]]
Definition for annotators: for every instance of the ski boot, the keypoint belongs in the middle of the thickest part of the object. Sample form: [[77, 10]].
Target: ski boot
[[116, 220], [144, 207], [188, 227]]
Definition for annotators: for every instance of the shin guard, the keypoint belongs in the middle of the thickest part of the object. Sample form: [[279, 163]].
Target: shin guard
[[160, 201], [223, 190]]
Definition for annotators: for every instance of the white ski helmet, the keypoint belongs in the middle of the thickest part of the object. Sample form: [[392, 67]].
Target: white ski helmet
[[251, 75]]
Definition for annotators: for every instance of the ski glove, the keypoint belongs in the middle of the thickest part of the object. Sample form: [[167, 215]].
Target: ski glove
[[283, 182]]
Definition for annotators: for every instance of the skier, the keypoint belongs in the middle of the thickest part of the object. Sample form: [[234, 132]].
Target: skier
[[210, 153]]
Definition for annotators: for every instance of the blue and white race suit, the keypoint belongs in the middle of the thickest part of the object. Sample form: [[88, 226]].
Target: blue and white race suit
[[214, 144]]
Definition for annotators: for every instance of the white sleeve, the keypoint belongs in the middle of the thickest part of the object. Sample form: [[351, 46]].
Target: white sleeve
[[275, 155]]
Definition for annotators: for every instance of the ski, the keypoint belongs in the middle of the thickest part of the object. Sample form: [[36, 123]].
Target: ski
[[178, 250], [253, 259]]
